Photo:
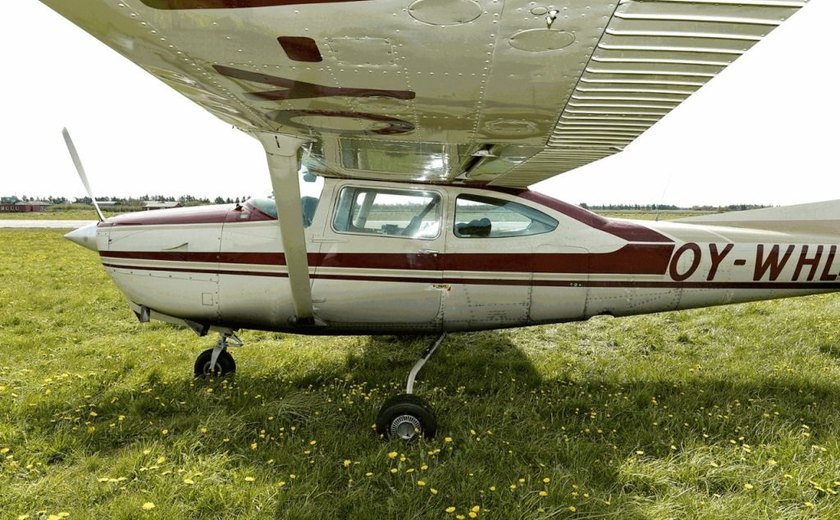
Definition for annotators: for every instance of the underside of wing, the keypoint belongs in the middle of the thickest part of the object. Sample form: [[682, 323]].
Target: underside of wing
[[501, 92]]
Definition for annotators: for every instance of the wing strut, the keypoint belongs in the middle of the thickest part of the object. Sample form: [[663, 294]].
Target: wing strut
[[283, 165]]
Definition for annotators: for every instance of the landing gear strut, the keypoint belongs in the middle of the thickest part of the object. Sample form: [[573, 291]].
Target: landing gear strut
[[217, 361], [408, 416]]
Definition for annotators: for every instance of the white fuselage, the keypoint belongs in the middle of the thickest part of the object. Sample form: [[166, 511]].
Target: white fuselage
[[375, 270]]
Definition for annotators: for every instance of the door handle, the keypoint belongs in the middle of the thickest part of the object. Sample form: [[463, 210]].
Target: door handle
[[428, 252]]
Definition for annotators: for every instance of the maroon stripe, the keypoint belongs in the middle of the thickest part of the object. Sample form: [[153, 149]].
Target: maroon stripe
[[537, 283], [177, 5], [629, 231], [196, 215], [630, 259], [179, 256]]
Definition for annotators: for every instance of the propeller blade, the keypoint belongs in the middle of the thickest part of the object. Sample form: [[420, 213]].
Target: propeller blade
[[79, 168]]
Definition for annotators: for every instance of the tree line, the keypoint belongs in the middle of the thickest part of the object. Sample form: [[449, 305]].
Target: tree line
[[671, 207], [186, 200]]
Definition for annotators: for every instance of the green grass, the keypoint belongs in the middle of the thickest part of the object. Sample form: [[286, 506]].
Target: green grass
[[723, 413]]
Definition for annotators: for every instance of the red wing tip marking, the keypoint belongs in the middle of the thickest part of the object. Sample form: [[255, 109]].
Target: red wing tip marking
[[183, 5]]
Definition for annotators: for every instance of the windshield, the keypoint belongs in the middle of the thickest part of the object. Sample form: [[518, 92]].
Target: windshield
[[310, 189]]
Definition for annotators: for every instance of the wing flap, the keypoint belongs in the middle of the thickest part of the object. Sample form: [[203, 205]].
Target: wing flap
[[653, 55]]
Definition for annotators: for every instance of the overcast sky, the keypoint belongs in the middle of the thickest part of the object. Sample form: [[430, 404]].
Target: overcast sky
[[764, 131]]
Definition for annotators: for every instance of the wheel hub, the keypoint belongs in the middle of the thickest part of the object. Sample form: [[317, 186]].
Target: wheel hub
[[405, 427]]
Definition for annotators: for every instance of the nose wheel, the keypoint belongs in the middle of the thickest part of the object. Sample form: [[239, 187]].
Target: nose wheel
[[225, 365], [217, 361], [407, 416]]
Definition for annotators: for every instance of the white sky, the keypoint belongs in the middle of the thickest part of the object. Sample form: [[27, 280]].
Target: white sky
[[764, 131]]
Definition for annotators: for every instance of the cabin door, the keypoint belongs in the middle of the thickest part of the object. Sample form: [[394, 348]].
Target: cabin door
[[377, 268]]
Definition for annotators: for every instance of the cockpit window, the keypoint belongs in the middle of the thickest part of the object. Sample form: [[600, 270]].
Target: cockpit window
[[483, 217], [409, 214]]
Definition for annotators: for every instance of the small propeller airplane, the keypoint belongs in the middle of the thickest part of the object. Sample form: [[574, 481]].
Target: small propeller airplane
[[412, 213]]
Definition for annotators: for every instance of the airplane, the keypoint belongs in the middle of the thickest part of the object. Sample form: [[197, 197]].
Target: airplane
[[401, 138]]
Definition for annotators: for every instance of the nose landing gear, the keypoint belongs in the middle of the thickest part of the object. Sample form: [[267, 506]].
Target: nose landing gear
[[408, 416], [217, 361]]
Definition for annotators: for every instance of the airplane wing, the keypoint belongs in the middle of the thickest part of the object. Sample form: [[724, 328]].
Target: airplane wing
[[500, 92]]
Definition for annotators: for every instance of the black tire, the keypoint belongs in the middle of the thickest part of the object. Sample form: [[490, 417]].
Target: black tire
[[224, 366], [407, 417]]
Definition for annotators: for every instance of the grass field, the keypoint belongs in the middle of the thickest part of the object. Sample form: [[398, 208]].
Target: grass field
[[716, 413]]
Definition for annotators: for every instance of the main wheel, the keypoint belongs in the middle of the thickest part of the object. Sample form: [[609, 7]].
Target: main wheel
[[407, 417], [225, 365]]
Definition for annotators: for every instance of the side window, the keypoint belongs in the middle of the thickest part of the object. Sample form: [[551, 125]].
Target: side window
[[410, 214], [483, 217]]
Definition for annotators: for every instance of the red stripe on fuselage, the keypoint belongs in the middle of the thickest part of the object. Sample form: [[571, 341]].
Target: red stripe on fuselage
[[618, 284], [630, 259]]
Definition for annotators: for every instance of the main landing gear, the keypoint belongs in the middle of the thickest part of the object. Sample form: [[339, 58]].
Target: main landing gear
[[217, 361], [408, 416]]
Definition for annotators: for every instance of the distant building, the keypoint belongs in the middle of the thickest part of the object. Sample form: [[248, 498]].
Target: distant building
[[23, 207], [157, 204]]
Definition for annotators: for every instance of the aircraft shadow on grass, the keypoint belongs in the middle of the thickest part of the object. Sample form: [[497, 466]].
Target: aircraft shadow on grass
[[585, 428]]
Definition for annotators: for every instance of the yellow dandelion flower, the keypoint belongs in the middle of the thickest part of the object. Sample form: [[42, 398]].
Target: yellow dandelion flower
[[433, 491], [392, 455], [161, 459], [164, 431], [421, 483], [473, 515], [146, 452], [394, 471], [522, 481], [23, 517], [447, 440], [121, 418], [148, 506], [369, 474], [512, 486], [543, 493], [281, 483], [424, 467], [253, 445], [189, 481], [492, 488], [572, 509], [450, 509], [546, 480], [347, 463], [748, 486], [250, 479], [313, 442]]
